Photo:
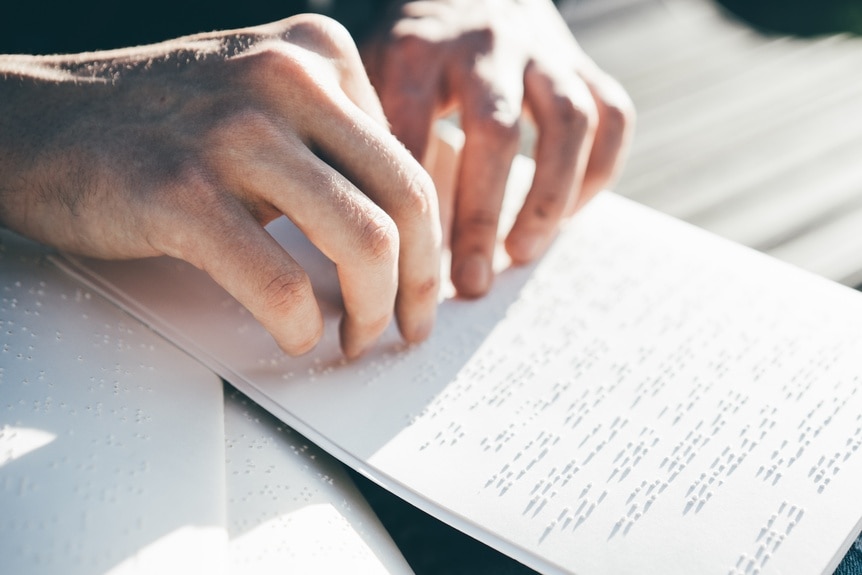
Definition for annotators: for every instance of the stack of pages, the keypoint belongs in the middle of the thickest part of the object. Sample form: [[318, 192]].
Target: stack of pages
[[646, 398], [121, 455]]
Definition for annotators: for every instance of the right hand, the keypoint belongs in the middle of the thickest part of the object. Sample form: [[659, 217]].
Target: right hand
[[496, 62], [189, 147]]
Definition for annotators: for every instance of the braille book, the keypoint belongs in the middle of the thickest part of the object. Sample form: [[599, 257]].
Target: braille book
[[646, 398]]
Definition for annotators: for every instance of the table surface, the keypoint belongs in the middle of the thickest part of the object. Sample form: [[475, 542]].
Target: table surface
[[756, 138]]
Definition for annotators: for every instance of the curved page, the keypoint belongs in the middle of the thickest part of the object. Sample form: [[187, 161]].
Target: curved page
[[111, 439], [647, 398]]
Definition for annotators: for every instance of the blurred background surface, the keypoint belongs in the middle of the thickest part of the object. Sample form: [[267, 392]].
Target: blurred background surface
[[754, 133]]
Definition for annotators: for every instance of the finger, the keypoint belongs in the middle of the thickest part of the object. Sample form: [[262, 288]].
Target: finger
[[565, 115], [491, 100], [373, 159], [408, 92], [225, 241], [348, 137], [343, 223], [350, 230], [323, 36], [443, 156], [376, 163], [616, 119]]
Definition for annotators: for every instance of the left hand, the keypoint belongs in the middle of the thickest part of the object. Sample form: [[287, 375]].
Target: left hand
[[494, 61], [190, 146]]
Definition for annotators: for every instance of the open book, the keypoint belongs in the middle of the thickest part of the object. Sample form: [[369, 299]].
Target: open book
[[647, 398], [120, 455]]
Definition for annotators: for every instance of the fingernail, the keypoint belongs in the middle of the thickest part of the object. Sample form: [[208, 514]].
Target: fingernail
[[472, 278]]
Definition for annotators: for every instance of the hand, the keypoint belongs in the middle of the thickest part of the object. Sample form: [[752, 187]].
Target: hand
[[494, 60], [189, 147]]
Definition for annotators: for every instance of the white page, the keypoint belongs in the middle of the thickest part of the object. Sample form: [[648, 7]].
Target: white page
[[647, 398], [291, 507], [111, 439], [113, 459]]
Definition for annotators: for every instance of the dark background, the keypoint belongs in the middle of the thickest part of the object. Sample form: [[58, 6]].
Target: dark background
[[800, 17], [39, 27]]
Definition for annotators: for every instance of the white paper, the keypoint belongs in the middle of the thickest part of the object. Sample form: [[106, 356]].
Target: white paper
[[115, 447], [291, 507], [647, 398], [111, 439]]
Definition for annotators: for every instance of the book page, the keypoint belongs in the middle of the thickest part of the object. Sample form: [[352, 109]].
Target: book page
[[647, 398], [120, 454], [292, 508], [111, 439]]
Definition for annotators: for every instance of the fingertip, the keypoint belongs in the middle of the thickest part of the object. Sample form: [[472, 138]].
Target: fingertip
[[528, 248], [524, 248], [296, 349], [421, 331], [418, 331], [416, 305], [472, 275], [297, 338], [356, 337], [349, 346]]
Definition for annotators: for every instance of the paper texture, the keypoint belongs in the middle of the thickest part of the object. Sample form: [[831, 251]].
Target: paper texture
[[645, 399], [111, 439], [115, 447], [292, 508]]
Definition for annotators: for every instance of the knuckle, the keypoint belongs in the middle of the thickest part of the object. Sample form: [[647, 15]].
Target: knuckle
[[243, 129], [480, 39], [188, 190], [378, 241], [428, 288], [549, 206], [319, 33], [481, 220], [579, 116], [286, 292], [417, 201], [496, 129], [407, 41], [285, 71], [617, 116], [273, 61]]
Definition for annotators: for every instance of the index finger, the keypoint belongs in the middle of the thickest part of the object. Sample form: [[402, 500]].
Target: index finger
[[373, 159], [379, 165], [229, 244], [338, 117]]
